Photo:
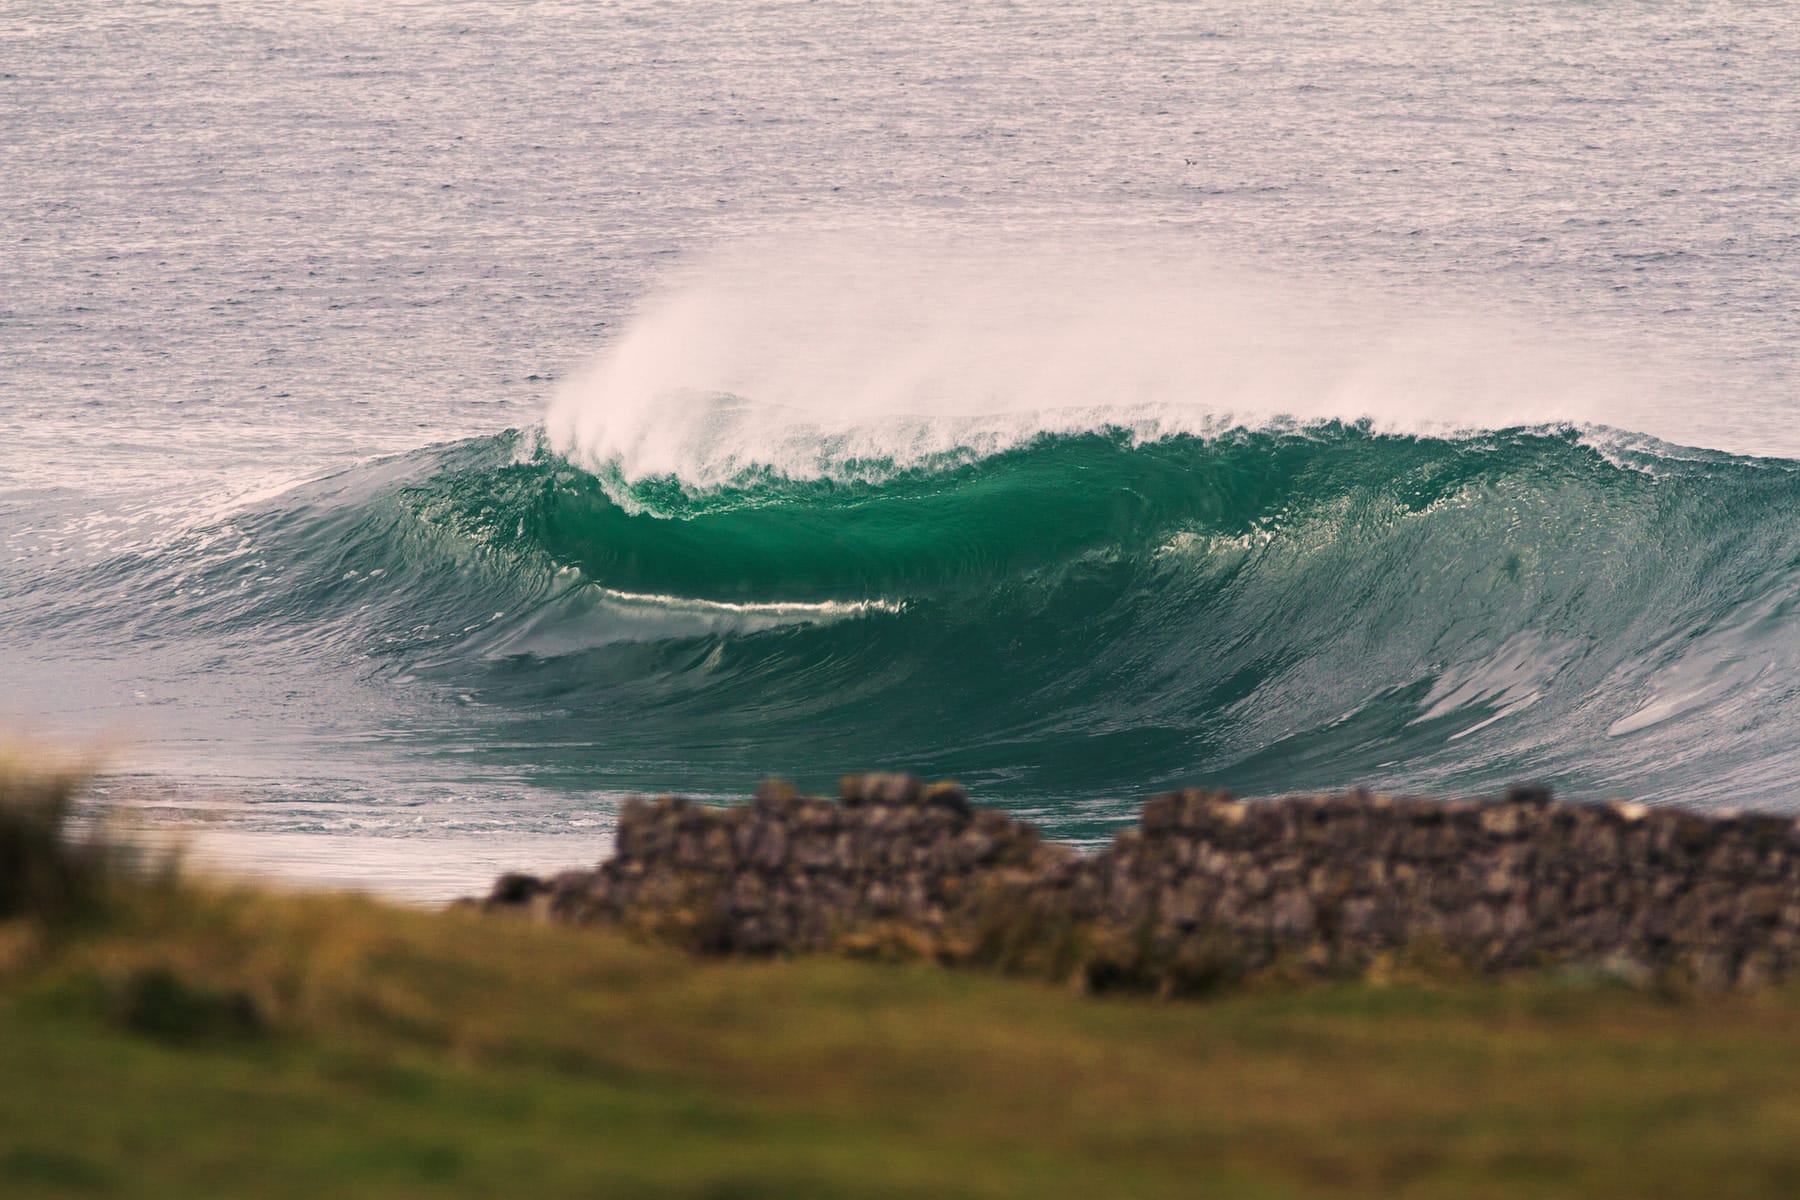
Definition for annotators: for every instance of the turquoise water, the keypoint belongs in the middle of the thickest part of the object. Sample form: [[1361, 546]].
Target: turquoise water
[[421, 427]]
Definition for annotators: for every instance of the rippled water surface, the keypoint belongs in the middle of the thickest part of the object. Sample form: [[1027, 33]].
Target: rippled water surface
[[422, 423]]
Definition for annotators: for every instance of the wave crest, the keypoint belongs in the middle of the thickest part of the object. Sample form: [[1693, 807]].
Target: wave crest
[[856, 356]]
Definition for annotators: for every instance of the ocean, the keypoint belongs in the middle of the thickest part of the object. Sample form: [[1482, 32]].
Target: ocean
[[424, 425]]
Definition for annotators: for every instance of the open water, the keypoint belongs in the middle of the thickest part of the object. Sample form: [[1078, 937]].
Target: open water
[[423, 424]]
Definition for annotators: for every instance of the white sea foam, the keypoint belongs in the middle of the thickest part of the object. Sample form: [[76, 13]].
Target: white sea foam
[[862, 352], [779, 610], [589, 615]]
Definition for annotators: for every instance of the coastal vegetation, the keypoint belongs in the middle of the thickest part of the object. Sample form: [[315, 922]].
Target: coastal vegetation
[[168, 1036]]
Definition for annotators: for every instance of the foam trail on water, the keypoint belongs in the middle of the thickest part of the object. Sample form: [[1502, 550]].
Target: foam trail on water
[[854, 355]]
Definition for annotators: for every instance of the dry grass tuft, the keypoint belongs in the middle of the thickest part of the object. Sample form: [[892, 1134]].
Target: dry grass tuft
[[48, 872]]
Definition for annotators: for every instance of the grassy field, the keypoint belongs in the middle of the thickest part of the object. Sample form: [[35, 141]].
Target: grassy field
[[174, 1040]]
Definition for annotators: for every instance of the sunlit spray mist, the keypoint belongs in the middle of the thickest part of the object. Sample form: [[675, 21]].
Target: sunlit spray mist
[[856, 355]]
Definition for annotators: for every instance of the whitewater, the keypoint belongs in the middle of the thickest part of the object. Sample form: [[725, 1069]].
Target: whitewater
[[422, 427]]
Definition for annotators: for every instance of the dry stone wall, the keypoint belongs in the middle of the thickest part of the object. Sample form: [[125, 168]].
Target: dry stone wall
[[1205, 886]]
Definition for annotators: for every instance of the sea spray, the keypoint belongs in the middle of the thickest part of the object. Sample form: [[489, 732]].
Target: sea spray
[[854, 354]]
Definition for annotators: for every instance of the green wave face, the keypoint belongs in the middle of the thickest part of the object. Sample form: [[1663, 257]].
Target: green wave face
[[1085, 617]]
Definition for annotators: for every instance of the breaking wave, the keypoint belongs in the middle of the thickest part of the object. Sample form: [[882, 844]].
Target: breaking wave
[[1074, 616]]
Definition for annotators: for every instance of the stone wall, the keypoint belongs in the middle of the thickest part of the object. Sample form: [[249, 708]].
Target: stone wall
[[1516, 882], [1205, 886]]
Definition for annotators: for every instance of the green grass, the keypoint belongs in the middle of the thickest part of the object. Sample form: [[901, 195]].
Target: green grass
[[305, 1046], [163, 1038]]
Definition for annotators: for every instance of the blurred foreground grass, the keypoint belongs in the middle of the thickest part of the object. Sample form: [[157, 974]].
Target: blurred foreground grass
[[161, 1038]]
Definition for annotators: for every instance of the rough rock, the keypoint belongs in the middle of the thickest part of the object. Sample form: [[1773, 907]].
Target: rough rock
[[1205, 887]]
